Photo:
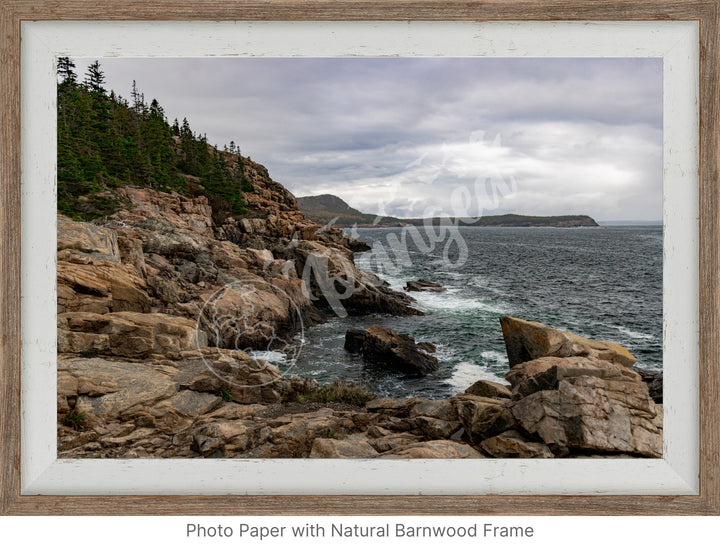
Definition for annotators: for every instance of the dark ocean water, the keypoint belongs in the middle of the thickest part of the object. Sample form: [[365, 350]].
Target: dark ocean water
[[603, 283]]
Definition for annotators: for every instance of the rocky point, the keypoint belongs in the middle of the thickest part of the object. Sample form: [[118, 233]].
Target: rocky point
[[157, 301]]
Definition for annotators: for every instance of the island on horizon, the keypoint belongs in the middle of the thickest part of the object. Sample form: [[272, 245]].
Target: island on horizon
[[330, 209]]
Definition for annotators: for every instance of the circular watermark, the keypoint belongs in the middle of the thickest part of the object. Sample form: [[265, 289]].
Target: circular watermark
[[257, 318]]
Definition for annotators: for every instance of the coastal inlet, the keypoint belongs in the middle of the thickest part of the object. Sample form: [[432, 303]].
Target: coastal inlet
[[604, 283], [142, 373]]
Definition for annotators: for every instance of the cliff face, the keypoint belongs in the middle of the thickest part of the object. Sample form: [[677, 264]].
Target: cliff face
[[166, 254], [156, 304]]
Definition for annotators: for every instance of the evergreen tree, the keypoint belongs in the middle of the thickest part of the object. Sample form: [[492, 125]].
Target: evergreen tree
[[136, 98], [94, 78], [65, 70], [104, 142]]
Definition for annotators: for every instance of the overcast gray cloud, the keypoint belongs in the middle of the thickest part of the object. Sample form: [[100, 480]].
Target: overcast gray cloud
[[412, 136]]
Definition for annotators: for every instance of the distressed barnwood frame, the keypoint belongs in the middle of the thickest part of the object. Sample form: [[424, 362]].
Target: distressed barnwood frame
[[705, 12]]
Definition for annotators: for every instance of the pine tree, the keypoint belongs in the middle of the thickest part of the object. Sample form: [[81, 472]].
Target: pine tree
[[94, 78], [136, 98], [104, 142], [65, 70]]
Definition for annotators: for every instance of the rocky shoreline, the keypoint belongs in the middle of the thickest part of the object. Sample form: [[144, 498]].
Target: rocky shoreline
[[574, 398], [156, 302]]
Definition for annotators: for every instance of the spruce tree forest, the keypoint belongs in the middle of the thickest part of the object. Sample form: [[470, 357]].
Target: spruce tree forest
[[105, 142]]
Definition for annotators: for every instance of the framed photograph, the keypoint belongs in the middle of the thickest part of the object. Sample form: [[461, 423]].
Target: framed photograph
[[379, 257]]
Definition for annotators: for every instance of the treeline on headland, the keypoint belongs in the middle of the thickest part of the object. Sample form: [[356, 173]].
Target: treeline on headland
[[105, 141], [510, 220]]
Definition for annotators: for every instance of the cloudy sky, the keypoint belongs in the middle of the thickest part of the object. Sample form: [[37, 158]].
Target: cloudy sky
[[430, 136]]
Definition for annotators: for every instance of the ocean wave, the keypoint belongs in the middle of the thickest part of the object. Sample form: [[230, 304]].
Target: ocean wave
[[640, 365], [467, 373], [396, 281], [444, 353], [495, 356], [451, 300], [453, 275], [273, 357], [633, 334]]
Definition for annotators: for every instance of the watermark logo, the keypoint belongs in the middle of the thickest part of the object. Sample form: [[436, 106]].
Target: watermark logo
[[486, 189], [251, 315], [256, 317]]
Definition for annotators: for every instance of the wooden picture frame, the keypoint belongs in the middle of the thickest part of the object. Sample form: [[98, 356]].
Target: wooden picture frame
[[707, 15]]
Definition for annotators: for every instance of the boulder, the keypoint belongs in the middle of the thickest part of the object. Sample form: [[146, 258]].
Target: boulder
[[131, 251], [654, 381], [423, 285], [227, 438], [434, 449], [86, 239], [428, 347], [391, 440], [392, 350], [100, 287], [603, 350], [442, 409], [393, 407], [345, 448], [491, 389], [251, 313], [435, 428], [243, 379], [186, 403], [91, 271], [589, 413], [512, 444], [526, 341], [334, 282], [483, 417], [68, 300], [127, 334], [81, 342], [530, 340], [354, 340], [293, 435], [525, 370], [259, 257], [134, 384], [545, 373]]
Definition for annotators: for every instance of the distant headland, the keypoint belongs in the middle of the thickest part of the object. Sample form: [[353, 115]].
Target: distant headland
[[330, 209]]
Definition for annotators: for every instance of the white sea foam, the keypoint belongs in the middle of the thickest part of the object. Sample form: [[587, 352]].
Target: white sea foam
[[495, 356], [396, 281], [273, 357], [634, 335], [467, 373], [444, 353], [640, 365], [448, 300], [451, 300]]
